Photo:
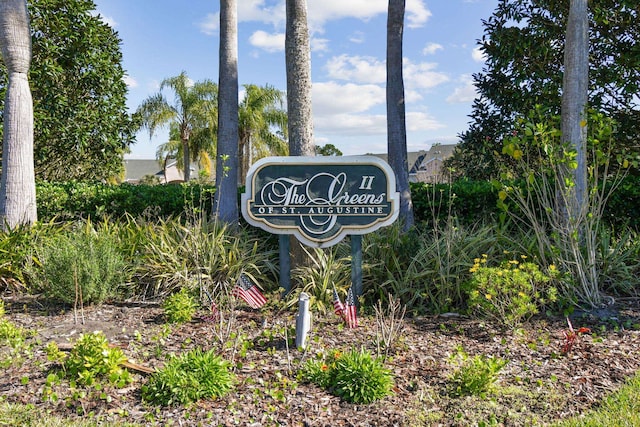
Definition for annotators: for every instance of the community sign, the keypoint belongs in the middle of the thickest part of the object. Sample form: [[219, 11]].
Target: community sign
[[320, 199]]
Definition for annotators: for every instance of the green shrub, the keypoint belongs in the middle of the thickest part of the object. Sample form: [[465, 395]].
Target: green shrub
[[178, 255], [355, 376], [188, 378], [424, 269], [619, 262], [180, 307], [510, 293], [15, 249], [328, 268], [92, 358], [81, 265], [473, 375]]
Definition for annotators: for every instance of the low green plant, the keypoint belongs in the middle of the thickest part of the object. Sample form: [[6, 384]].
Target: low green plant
[[180, 307], [511, 292], [355, 376], [12, 341], [328, 268], [9, 333], [188, 378], [92, 358], [473, 375], [80, 266]]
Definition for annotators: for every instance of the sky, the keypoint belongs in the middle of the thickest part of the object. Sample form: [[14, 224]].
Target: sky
[[162, 38]]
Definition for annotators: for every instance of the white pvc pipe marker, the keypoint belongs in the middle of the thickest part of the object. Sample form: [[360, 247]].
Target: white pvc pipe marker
[[303, 320]]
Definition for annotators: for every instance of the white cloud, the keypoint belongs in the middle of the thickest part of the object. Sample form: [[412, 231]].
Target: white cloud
[[342, 109], [266, 41], [257, 11], [478, 55], [331, 98], [319, 45], [416, 13], [321, 11], [420, 121], [366, 69], [351, 124], [466, 92], [411, 96], [359, 69], [431, 48], [210, 24], [348, 110], [422, 75], [130, 81], [358, 37]]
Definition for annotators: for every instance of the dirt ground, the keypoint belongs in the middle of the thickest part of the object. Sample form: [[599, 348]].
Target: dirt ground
[[538, 385]]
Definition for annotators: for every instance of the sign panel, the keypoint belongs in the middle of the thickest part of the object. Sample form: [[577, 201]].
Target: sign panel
[[320, 199]]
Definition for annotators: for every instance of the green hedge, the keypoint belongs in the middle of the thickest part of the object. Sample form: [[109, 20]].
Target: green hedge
[[468, 201], [623, 208], [473, 201], [73, 200]]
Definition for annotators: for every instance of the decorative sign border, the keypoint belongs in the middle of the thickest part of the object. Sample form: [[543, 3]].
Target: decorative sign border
[[320, 199]]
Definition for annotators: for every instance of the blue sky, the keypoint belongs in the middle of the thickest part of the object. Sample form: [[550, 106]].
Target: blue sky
[[161, 38]]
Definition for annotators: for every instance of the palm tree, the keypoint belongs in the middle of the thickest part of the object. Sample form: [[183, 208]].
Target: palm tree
[[226, 196], [18, 185], [262, 125], [201, 148], [298, 64], [193, 105], [396, 125]]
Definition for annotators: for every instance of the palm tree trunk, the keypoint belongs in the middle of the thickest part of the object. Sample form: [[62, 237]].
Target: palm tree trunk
[[575, 91], [226, 197], [186, 160], [17, 187], [300, 120], [298, 64], [396, 125]]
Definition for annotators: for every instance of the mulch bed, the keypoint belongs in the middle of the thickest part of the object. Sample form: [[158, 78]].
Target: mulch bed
[[538, 385]]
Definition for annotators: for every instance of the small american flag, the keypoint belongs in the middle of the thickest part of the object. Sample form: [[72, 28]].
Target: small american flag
[[338, 307], [350, 312], [249, 292], [213, 315]]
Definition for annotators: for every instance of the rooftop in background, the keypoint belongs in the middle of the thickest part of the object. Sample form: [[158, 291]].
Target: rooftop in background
[[426, 166], [138, 169]]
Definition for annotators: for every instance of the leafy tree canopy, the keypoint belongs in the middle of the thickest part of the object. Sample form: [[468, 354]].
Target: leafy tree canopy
[[328, 150], [524, 44], [82, 128]]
